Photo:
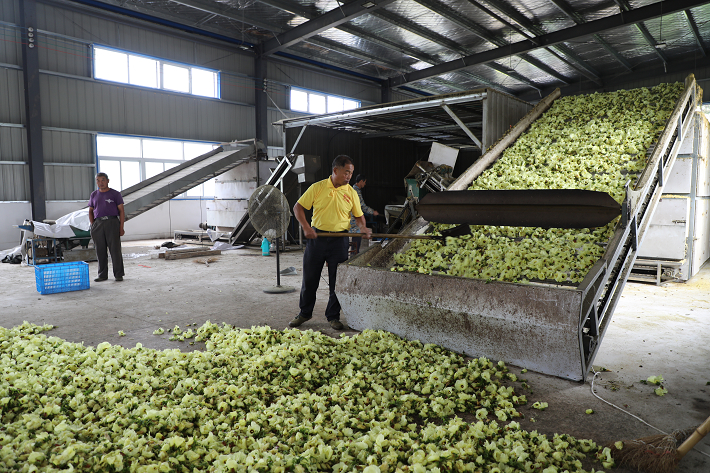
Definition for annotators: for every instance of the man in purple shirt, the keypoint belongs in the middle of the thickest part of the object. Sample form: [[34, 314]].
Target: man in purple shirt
[[107, 218]]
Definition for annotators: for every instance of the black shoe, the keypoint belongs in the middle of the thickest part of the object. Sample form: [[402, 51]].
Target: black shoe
[[100, 279], [297, 321], [119, 278], [336, 324]]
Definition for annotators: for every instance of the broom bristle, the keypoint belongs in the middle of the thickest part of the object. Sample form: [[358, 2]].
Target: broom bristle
[[211, 259], [654, 454]]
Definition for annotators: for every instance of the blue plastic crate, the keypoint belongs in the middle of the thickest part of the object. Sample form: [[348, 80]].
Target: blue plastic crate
[[62, 277]]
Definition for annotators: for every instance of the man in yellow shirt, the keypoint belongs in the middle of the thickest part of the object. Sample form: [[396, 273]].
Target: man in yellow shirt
[[332, 200]]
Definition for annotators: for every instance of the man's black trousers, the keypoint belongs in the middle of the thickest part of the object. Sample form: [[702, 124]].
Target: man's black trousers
[[107, 239], [319, 251]]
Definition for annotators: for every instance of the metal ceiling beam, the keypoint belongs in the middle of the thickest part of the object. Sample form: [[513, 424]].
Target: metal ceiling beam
[[656, 71], [455, 17], [286, 6], [216, 9], [298, 9], [324, 22], [696, 33], [461, 124], [531, 59], [561, 51], [443, 41], [212, 9], [418, 130], [629, 18], [579, 19], [372, 112], [510, 72], [650, 40]]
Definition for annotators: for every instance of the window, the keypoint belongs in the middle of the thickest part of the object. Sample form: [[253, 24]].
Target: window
[[143, 71], [129, 160], [315, 103]]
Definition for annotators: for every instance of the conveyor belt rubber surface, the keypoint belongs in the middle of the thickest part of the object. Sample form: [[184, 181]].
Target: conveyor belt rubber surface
[[173, 182]]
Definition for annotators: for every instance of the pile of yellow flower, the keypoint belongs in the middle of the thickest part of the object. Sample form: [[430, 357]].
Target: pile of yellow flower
[[596, 142], [263, 400]]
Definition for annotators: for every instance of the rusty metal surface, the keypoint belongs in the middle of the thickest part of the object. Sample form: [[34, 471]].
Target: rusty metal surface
[[532, 326], [545, 208]]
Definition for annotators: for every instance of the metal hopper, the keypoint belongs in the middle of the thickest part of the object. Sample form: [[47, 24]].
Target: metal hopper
[[547, 328]]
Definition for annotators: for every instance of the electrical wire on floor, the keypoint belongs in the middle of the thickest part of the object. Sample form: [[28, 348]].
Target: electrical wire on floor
[[596, 373]]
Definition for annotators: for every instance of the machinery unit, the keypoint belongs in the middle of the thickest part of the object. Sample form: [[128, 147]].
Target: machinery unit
[[306, 166], [678, 239], [232, 191], [549, 328], [434, 175]]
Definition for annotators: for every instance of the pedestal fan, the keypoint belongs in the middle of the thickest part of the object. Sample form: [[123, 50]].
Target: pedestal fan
[[269, 215]]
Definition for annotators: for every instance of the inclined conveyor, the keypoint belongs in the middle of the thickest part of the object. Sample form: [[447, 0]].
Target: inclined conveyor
[[173, 182], [548, 328]]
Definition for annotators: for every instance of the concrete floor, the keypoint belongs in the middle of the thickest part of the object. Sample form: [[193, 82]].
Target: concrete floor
[[655, 331]]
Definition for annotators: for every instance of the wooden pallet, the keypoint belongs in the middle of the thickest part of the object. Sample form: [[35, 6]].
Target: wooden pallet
[[188, 253]]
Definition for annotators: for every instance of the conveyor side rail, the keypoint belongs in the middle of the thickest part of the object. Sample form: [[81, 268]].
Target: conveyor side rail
[[547, 328], [173, 182], [608, 277]]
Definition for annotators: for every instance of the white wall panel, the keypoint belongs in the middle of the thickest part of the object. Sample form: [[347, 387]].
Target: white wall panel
[[14, 183], [10, 11], [12, 104], [10, 50], [73, 101], [224, 59], [67, 147], [237, 88], [76, 24], [13, 213], [218, 120], [13, 144], [64, 55], [156, 44], [159, 222], [68, 182], [321, 82]]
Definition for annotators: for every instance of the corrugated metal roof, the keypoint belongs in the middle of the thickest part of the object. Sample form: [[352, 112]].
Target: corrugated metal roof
[[406, 36]]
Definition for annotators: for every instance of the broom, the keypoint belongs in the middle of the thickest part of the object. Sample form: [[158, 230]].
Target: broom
[[658, 453]]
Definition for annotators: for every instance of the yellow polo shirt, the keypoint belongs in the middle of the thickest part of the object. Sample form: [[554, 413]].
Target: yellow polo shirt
[[331, 205]]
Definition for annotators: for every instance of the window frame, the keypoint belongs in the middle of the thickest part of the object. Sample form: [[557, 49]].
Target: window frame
[[143, 160], [310, 92], [161, 76]]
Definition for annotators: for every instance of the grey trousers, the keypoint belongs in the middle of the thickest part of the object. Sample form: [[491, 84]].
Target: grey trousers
[[106, 236]]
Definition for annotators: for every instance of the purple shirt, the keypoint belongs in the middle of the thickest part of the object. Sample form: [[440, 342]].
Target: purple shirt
[[105, 204]]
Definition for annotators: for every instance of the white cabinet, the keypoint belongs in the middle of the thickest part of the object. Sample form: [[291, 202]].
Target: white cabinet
[[679, 234]]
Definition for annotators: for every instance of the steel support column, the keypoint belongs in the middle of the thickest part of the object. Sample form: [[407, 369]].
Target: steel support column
[[33, 110], [385, 93], [260, 101]]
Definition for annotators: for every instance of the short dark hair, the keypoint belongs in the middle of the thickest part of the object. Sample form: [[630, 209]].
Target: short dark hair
[[341, 161], [360, 177], [102, 174]]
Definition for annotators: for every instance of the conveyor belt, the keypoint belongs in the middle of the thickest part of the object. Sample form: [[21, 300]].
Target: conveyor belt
[[550, 329], [173, 182]]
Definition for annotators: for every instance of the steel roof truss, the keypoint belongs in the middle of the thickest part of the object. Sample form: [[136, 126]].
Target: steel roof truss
[[629, 18], [696, 33], [462, 125], [321, 23]]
